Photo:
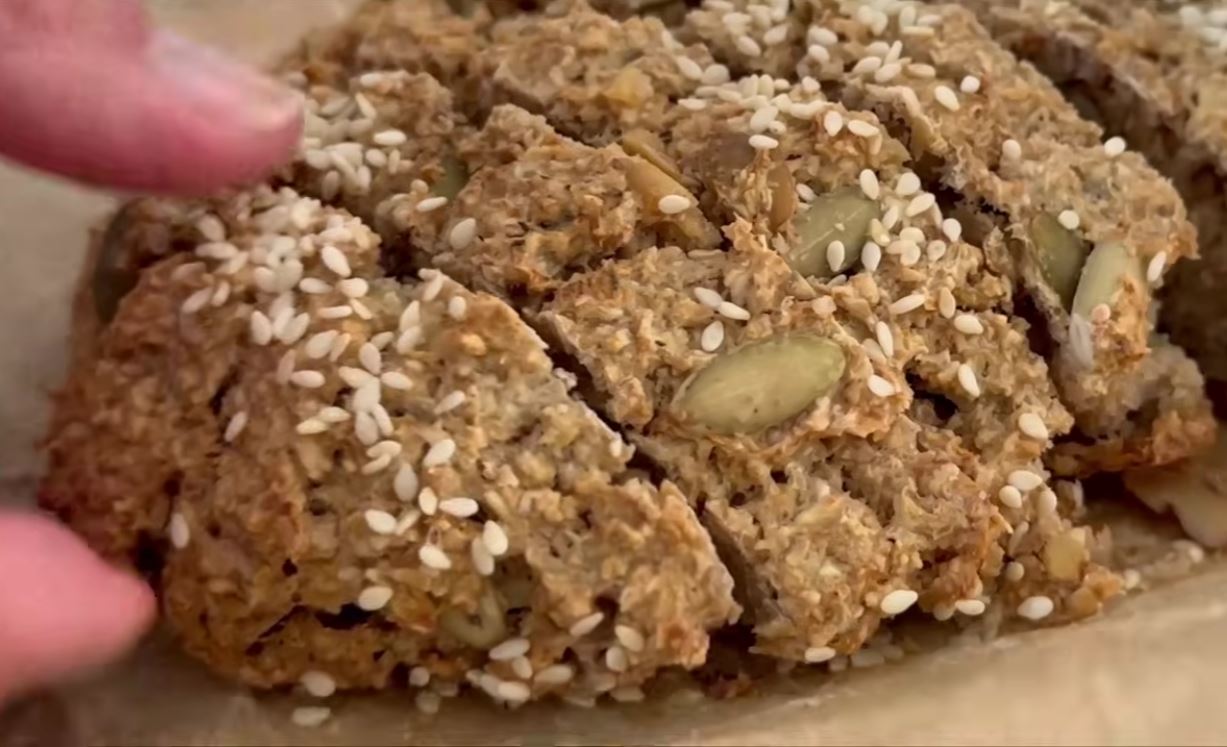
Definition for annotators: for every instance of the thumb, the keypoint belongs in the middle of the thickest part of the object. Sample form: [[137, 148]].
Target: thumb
[[62, 609], [119, 105]]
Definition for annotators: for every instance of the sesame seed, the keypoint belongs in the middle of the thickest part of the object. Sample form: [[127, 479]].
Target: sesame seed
[[354, 377], [178, 530], [333, 415], [1069, 219], [833, 122], [405, 484], [440, 453], [419, 677], [712, 337], [968, 324], [309, 717], [389, 138], [380, 522], [463, 234], [748, 46], [495, 539], [886, 340], [946, 97], [867, 65], [907, 304], [1046, 501], [428, 501], [861, 128], [1036, 608], [450, 402], [869, 184], [763, 118], [558, 674], [952, 229], [457, 307], [334, 312], [513, 692], [430, 204], [946, 303], [818, 53], [318, 684], [967, 380], [921, 70], [197, 301], [898, 601], [907, 185], [1033, 426], [1014, 571], [365, 429], [1010, 496], [970, 607], [1114, 147], [408, 340], [522, 667], [631, 639], [234, 428], [730, 310], [432, 556], [461, 508], [374, 598], [616, 659], [354, 287], [312, 286], [483, 561], [880, 386], [334, 259], [1154, 269], [1025, 480], [887, 72], [294, 330], [919, 204], [261, 328], [366, 396], [396, 380], [376, 465], [509, 649], [836, 255], [970, 84], [360, 309], [311, 427], [673, 204], [369, 357], [716, 75], [708, 297], [381, 340], [819, 654], [1011, 150], [763, 142], [694, 105], [285, 367]]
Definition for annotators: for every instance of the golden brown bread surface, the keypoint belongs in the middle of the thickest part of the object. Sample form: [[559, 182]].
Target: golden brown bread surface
[[569, 339]]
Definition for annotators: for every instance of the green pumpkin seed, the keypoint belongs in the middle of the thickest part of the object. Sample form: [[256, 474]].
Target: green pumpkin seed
[[842, 216], [455, 176], [762, 384], [1061, 255], [1107, 269]]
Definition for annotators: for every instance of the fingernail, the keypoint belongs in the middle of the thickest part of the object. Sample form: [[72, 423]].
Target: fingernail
[[210, 81]]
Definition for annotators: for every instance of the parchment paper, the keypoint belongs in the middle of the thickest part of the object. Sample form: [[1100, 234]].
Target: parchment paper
[[1153, 670]]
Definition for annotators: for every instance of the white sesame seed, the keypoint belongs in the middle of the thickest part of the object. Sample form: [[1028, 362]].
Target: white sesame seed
[[630, 638], [861, 128], [197, 301], [382, 339], [334, 312], [1046, 501], [763, 142], [1025, 480], [886, 340], [616, 659], [483, 561], [694, 105], [1114, 147], [558, 674], [1033, 426], [366, 396], [887, 72], [361, 310], [178, 530], [509, 649], [334, 259], [818, 53], [867, 66], [967, 380], [1011, 150], [389, 138], [365, 428], [450, 402], [763, 118], [311, 427], [261, 328], [428, 501], [285, 367], [708, 297], [907, 304], [405, 484], [898, 601], [730, 310], [869, 184], [970, 607], [952, 229], [318, 684], [354, 287], [295, 329], [1010, 496], [461, 508], [819, 654], [376, 465], [907, 184], [354, 378], [457, 307], [1069, 219], [712, 337], [333, 415], [430, 204], [1154, 269], [946, 303], [968, 324], [419, 677], [880, 386], [312, 286], [374, 598], [946, 97], [396, 380], [1036, 608], [309, 717], [380, 522], [1014, 571], [234, 428], [432, 556], [408, 340], [833, 122], [748, 46], [462, 234], [370, 358], [919, 204], [440, 453], [970, 84], [673, 204], [836, 255], [513, 692], [921, 70], [495, 539]]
